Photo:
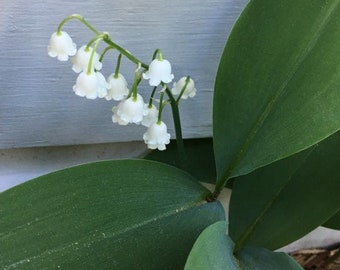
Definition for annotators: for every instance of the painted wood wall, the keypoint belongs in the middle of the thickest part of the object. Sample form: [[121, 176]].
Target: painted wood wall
[[37, 104]]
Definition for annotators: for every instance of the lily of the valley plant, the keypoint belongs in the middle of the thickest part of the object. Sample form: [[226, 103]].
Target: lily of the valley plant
[[276, 141]]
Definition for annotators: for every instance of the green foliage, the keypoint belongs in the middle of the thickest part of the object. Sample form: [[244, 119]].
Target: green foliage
[[276, 89], [124, 214], [333, 222], [280, 203], [199, 158], [214, 250], [276, 133]]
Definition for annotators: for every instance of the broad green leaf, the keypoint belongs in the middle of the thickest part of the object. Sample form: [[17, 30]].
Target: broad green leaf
[[213, 250], [333, 222], [123, 214], [277, 86], [252, 258], [199, 163], [283, 201]]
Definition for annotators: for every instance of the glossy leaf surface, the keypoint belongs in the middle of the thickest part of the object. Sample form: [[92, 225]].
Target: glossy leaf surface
[[333, 222], [123, 214], [251, 258], [213, 250], [277, 87], [199, 161], [283, 201]]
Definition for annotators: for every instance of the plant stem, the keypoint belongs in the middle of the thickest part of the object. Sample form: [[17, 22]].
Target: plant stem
[[124, 52], [178, 130], [104, 52], [119, 59], [96, 40], [133, 91], [151, 96], [155, 54], [187, 80], [220, 184], [160, 110], [105, 36], [80, 18]]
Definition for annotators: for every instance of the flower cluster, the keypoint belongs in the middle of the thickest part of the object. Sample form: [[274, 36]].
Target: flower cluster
[[131, 108]]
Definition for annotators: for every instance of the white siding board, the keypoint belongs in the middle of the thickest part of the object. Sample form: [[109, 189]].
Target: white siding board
[[37, 104]]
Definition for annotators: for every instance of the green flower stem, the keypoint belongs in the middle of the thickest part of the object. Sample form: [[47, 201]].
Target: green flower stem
[[137, 80], [104, 52], [151, 97], [80, 18], [187, 80], [220, 185], [160, 56], [106, 38], [155, 54], [217, 191], [178, 130], [96, 42], [124, 52], [161, 107], [134, 91], [118, 65]]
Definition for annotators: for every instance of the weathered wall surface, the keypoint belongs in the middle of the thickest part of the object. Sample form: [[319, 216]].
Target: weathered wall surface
[[37, 104]]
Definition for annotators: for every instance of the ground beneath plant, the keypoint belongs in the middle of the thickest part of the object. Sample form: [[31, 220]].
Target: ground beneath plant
[[318, 259]]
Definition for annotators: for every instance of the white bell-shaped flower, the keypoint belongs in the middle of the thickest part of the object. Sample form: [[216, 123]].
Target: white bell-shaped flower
[[117, 87], [61, 46], [91, 85], [159, 71], [151, 117], [157, 136], [190, 90], [129, 111], [81, 60]]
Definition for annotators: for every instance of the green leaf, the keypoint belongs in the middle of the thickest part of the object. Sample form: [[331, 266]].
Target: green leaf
[[251, 258], [200, 161], [333, 222], [214, 250], [123, 214], [283, 201], [277, 86]]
